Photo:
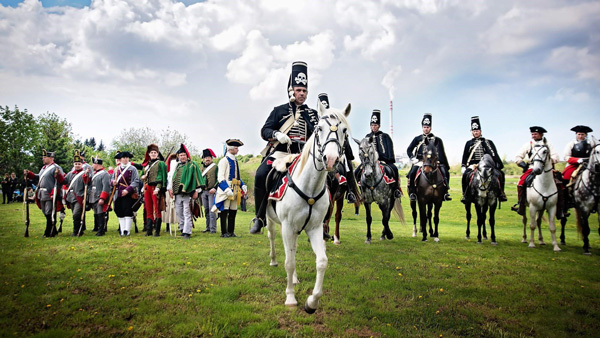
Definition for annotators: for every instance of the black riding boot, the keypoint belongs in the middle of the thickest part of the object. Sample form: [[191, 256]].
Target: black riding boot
[[96, 224], [231, 223], [223, 217], [501, 180], [522, 197], [157, 224], [149, 226], [464, 186], [352, 194], [412, 191], [49, 226], [101, 226], [76, 226]]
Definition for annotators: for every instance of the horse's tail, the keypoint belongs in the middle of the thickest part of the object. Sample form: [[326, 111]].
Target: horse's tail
[[398, 210]]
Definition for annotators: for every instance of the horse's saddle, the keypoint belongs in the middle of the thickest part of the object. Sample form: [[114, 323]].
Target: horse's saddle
[[388, 173], [277, 181]]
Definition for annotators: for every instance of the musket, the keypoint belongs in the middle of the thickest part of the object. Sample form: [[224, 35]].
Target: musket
[[26, 208], [84, 204], [54, 209]]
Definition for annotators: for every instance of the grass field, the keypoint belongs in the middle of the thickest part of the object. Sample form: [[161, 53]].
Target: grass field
[[210, 286]]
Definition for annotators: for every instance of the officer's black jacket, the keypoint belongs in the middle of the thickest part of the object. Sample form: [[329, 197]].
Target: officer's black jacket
[[418, 153], [384, 146], [488, 148]]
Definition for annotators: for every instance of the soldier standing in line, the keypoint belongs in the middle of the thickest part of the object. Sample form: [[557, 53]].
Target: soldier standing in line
[[98, 197], [208, 194], [75, 186], [154, 177], [126, 180]]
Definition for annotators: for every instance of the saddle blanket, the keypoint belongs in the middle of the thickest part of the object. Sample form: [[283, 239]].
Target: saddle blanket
[[281, 182], [388, 177]]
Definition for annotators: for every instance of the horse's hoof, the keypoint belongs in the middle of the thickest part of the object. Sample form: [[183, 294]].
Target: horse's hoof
[[368, 241], [557, 249], [414, 234], [542, 243], [563, 243], [424, 240], [479, 242], [436, 239], [523, 240], [308, 309], [336, 242], [468, 238], [382, 238], [531, 245], [494, 243], [274, 264], [389, 235], [291, 304], [587, 253], [485, 238]]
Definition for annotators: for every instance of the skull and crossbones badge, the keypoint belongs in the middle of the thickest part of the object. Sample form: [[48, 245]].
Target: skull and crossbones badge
[[474, 126], [301, 78], [426, 121], [325, 104]]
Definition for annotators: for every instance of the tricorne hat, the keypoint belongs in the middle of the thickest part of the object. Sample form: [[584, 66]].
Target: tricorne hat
[[47, 153], [298, 78], [121, 154], [324, 99], [582, 129], [208, 153], [537, 129], [233, 142], [475, 124], [426, 121], [376, 117]]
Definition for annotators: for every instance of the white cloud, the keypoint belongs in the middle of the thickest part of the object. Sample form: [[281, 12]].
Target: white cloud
[[569, 94]]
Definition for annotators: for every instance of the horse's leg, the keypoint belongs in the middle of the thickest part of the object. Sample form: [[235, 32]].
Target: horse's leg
[[493, 223], [479, 221], [312, 302], [552, 226], [413, 207], [468, 210], [290, 238], [524, 219], [327, 219], [484, 210], [585, 231], [532, 224], [539, 227], [436, 220], [563, 223], [369, 220], [423, 220], [429, 212], [271, 234], [339, 205], [385, 220]]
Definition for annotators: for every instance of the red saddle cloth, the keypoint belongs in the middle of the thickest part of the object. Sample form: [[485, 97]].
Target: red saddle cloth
[[342, 180], [278, 192], [386, 178]]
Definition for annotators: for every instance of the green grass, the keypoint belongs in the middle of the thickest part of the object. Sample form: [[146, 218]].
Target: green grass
[[209, 286]]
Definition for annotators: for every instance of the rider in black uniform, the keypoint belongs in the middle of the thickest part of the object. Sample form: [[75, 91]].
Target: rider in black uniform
[[286, 130]]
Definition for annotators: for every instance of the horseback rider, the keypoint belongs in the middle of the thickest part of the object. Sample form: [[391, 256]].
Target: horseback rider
[[352, 191], [576, 152], [286, 129], [385, 149], [525, 153], [475, 148], [415, 152]]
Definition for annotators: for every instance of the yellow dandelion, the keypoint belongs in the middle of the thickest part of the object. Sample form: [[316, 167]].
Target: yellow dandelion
[[48, 305], [22, 285], [420, 296], [400, 274], [78, 270], [458, 267], [441, 290], [437, 312], [198, 290], [188, 263], [388, 324], [190, 295], [130, 328]]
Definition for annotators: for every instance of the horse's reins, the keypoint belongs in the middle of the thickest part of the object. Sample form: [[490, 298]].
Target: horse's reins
[[581, 181], [374, 166], [312, 200]]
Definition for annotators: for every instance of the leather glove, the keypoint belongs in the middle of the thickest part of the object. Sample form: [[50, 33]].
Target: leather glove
[[282, 138], [414, 160], [245, 189], [462, 170], [580, 161], [228, 192], [523, 165]]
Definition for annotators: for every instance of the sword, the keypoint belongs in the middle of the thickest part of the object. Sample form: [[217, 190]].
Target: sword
[[26, 208]]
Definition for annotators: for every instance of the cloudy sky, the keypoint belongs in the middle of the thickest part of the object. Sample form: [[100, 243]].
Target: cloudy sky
[[215, 69]]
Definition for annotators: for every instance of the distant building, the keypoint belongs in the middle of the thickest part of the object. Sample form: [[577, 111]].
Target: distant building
[[402, 160]]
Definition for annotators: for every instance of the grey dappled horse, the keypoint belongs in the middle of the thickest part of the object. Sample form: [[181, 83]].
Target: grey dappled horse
[[482, 191], [374, 189]]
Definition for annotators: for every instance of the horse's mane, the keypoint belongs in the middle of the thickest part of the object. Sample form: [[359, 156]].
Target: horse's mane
[[488, 160], [305, 155]]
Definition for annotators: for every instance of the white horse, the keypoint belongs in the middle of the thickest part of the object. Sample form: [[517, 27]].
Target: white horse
[[541, 196], [305, 203]]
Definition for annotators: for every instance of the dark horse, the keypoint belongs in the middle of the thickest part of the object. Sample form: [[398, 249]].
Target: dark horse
[[430, 191], [483, 192], [337, 191], [374, 189]]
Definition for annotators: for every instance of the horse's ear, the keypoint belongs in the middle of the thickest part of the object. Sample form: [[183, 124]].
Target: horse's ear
[[371, 139], [426, 141], [545, 141], [321, 109], [347, 111], [357, 141]]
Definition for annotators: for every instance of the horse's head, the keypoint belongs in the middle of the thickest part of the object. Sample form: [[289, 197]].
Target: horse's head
[[368, 155], [485, 171], [594, 161], [541, 154], [429, 157], [330, 134]]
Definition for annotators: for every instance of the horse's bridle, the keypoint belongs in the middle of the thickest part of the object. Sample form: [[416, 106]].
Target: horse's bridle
[[372, 164], [317, 146], [536, 157], [483, 182]]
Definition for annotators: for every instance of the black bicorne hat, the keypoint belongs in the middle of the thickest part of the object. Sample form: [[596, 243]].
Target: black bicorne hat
[[96, 160], [426, 121], [298, 78], [324, 99], [121, 154], [77, 156], [537, 129], [475, 124], [233, 142], [208, 153], [582, 129], [376, 117]]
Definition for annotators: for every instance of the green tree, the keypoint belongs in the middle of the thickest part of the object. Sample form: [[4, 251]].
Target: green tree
[[57, 136], [19, 134], [101, 146]]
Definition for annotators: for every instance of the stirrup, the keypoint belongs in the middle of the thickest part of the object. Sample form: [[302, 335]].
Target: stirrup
[[515, 207], [413, 197], [397, 193], [256, 224], [447, 197], [463, 200], [351, 198]]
